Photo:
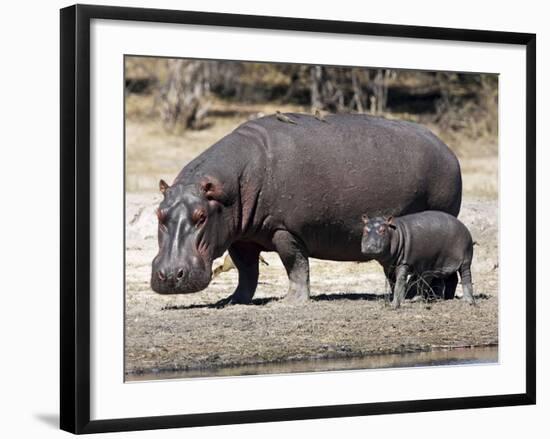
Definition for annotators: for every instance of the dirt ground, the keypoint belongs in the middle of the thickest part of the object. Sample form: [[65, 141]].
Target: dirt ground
[[348, 316]]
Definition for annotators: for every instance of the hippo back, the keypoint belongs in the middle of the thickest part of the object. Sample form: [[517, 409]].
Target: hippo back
[[320, 177]]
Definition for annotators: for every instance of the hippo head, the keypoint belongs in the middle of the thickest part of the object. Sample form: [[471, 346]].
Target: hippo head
[[192, 232], [376, 236]]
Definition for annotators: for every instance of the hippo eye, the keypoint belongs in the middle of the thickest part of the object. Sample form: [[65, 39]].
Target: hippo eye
[[381, 230], [199, 217]]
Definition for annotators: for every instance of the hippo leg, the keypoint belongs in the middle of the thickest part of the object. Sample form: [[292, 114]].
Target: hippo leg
[[400, 289], [390, 277], [246, 257], [450, 287], [466, 278], [295, 259]]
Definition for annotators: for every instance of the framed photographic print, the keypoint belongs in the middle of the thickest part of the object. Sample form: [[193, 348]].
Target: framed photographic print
[[268, 218]]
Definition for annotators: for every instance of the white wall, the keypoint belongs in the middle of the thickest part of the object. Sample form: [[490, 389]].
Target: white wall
[[29, 249]]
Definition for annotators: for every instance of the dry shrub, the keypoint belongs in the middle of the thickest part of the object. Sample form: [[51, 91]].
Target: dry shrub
[[468, 107]]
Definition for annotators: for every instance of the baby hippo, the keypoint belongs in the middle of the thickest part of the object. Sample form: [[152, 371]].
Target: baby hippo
[[428, 245]]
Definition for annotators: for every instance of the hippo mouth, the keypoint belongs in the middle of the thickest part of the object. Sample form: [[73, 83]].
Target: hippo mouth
[[192, 282], [187, 249], [188, 277], [372, 252]]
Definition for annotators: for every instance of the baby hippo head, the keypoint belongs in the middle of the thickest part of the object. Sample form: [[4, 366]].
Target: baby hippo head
[[376, 236]]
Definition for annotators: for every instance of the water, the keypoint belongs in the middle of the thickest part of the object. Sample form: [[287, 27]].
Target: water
[[459, 356]]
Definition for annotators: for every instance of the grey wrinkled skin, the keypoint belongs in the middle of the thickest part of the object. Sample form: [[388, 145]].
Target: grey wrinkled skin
[[296, 189], [427, 245]]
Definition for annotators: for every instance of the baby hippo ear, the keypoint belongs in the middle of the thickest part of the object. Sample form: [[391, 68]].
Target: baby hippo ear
[[390, 222], [365, 218], [163, 186]]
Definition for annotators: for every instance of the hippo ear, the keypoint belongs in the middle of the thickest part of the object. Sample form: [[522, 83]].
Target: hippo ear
[[365, 218], [390, 222], [163, 186], [212, 189]]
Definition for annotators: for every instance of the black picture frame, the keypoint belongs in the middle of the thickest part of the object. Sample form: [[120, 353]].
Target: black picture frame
[[75, 217]]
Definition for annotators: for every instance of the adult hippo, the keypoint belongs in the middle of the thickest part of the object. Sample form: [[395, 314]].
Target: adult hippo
[[298, 189]]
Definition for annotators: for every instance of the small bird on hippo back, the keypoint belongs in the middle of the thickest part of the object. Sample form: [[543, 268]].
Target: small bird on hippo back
[[284, 118], [319, 116]]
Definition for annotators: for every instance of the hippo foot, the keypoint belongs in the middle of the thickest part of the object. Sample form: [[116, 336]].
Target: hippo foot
[[296, 297], [231, 300], [395, 305], [238, 299], [222, 302]]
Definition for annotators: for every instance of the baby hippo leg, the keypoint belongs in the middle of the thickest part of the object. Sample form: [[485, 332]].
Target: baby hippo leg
[[400, 288], [467, 289], [390, 278]]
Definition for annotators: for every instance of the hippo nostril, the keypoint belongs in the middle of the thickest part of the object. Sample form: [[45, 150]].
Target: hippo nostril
[[161, 275], [180, 273]]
